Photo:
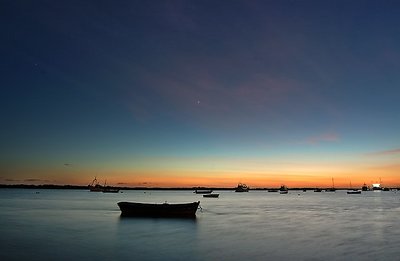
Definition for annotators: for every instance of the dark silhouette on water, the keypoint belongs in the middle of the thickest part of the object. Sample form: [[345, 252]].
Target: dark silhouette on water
[[133, 209]]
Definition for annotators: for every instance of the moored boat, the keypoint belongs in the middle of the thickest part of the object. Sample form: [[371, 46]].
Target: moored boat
[[283, 189], [110, 190], [134, 209], [203, 191], [94, 186], [354, 191], [332, 189], [242, 188], [212, 195]]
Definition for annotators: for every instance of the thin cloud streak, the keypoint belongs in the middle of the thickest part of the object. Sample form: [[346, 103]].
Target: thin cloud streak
[[326, 137], [384, 152]]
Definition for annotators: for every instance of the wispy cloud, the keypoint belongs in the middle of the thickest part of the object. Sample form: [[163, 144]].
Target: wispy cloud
[[326, 137], [384, 152]]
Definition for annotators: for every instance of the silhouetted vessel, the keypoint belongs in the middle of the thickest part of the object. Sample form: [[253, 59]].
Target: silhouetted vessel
[[94, 186], [317, 190], [203, 191], [242, 188], [215, 195], [283, 190], [332, 189], [110, 190], [354, 191], [365, 187], [376, 186], [133, 209]]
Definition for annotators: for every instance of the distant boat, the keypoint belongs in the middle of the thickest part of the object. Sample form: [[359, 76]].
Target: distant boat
[[317, 190], [354, 191], [242, 188], [133, 209], [273, 190], [283, 190], [215, 195], [365, 187], [203, 191], [332, 189], [110, 190], [376, 186], [94, 186]]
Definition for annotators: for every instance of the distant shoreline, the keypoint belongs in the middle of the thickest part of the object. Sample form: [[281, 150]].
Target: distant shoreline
[[52, 186]]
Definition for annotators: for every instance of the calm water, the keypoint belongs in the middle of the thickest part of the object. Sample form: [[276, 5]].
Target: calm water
[[82, 225]]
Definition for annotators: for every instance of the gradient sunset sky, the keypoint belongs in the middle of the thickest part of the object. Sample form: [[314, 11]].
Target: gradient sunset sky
[[200, 93]]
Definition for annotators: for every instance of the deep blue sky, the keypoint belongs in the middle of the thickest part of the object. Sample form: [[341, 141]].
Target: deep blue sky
[[170, 86]]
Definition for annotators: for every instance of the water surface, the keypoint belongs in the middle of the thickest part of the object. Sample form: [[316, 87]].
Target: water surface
[[82, 225]]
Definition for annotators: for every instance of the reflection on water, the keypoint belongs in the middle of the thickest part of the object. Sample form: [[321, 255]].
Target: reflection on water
[[79, 225]]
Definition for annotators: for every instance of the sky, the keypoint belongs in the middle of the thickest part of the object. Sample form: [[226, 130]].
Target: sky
[[200, 93]]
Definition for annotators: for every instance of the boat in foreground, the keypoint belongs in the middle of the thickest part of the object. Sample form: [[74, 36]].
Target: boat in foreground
[[215, 195], [133, 209]]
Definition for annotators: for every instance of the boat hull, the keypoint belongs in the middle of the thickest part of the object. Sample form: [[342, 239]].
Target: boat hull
[[354, 192], [203, 191], [133, 209], [211, 196]]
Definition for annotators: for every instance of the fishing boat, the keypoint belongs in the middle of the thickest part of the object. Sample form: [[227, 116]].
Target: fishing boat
[[134, 209], [109, 189], [203, 191], [365, 187], [283, 190], [94, 186], [213, 195], [242, 188]]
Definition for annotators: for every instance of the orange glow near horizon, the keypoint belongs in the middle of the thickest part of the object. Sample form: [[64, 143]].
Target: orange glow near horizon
[[252, 173]]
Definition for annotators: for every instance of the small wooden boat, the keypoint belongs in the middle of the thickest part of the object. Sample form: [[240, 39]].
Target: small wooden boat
[[211, 195], [133, 209]]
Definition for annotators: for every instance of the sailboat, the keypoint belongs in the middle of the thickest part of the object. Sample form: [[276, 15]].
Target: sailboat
[[109, 189], [332, 189], [353, 191]]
